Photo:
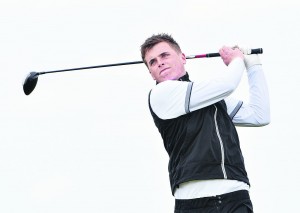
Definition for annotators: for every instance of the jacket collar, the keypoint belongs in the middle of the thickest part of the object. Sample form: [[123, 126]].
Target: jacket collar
[[184, 78]]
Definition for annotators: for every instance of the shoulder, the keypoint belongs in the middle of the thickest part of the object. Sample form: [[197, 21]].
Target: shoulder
[[169, 86], [167, 99]]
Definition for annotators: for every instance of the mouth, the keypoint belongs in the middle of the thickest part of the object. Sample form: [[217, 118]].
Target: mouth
[[162, 71]]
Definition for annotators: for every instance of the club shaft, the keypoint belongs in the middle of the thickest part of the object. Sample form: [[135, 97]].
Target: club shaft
[[93, 67], [210, 55], [207, 55]]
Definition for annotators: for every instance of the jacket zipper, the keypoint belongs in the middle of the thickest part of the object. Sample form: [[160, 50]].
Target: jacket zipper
[[221, 144]]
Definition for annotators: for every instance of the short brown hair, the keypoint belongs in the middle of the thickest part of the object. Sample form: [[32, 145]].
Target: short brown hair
[[155, 39]]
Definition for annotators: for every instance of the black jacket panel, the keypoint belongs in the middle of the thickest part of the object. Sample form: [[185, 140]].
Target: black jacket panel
[[202, 145]]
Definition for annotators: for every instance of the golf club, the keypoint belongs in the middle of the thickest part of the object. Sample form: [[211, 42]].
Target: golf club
[[32, 78]]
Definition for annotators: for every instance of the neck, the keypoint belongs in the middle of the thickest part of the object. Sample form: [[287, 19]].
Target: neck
[[185, 77]]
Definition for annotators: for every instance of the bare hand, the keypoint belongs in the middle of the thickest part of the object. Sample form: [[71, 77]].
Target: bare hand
[[228, 54]]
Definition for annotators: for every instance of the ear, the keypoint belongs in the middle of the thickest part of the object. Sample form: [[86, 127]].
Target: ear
[[183, 58]]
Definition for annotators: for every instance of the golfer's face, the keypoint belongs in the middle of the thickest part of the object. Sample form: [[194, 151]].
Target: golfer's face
[[165, 63]]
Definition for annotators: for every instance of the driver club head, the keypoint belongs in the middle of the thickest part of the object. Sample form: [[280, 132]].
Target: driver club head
[[30, 82]]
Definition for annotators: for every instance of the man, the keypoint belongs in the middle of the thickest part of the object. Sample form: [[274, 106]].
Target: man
[[196, 121]]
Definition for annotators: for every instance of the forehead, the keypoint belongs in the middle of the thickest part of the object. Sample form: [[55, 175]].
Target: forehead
[[157, 49]]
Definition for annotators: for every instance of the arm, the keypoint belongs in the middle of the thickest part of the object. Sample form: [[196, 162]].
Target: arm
[[257, 111], [171, 99]]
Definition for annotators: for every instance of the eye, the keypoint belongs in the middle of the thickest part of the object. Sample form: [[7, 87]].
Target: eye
[[152, 62]]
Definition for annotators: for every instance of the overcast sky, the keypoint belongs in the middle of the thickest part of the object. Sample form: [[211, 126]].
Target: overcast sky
[[85, 141]]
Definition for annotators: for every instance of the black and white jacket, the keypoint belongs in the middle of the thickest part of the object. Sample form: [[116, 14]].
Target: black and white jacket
[[197, 123]]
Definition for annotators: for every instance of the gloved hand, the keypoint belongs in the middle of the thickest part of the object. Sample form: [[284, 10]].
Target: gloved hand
[[228, 54], [249, 59]]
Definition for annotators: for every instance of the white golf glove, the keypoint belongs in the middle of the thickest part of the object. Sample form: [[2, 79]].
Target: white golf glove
[[249, 59]]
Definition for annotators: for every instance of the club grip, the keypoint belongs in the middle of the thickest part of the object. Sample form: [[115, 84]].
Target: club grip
[[210, 55], [257, 51]]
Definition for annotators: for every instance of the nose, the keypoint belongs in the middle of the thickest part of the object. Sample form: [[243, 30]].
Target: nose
[[160, 63]]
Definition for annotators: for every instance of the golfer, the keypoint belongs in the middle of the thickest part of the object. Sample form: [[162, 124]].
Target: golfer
[[197, 119]]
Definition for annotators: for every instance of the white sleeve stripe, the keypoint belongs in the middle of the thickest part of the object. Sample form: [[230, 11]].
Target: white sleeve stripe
[[236, 109], [188, 97]]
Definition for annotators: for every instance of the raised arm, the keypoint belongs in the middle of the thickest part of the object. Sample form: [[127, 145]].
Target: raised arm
[[257, 111], [171, 99]]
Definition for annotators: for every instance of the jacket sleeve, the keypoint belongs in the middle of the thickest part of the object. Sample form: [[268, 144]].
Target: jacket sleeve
[[257, 111], [171, 99]]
